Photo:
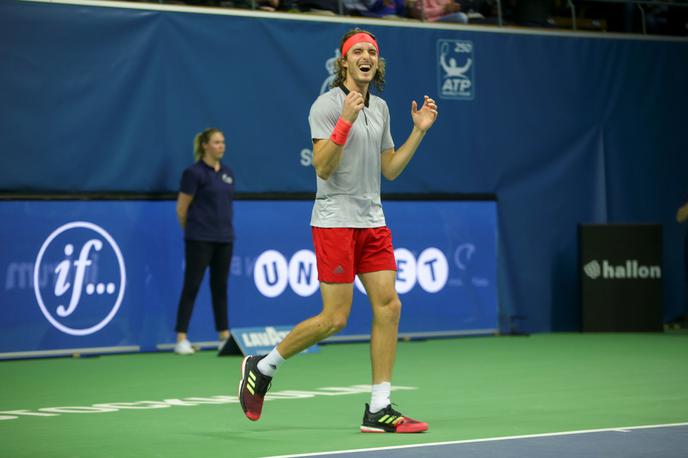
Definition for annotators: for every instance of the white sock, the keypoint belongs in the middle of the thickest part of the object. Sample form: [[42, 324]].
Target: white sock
[[380, 396], [268, 365]]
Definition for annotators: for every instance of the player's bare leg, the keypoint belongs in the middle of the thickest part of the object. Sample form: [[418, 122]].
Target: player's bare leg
[[386, 312], [337, 299], [257, 371], [379, 416]]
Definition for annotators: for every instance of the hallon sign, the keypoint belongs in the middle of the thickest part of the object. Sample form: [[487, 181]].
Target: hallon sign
[[630, 269], [621, 277]]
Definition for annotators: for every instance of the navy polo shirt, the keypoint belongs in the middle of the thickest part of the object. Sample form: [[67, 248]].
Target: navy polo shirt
[[210, 214]]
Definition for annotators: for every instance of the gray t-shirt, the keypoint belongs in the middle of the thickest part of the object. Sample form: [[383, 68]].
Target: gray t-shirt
[[351, 196]]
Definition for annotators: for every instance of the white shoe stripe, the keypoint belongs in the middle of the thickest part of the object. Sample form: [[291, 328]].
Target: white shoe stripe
[[370, 429]]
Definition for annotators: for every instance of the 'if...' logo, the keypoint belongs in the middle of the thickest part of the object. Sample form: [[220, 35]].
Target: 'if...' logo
[[88, 280]]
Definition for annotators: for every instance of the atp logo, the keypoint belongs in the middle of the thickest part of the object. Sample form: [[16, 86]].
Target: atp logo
[[89, 278], [455, 69]]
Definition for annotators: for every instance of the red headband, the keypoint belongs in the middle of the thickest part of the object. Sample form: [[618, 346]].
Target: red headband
[[360, 37]]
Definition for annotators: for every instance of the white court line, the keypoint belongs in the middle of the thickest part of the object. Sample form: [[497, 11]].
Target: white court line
[[487, 439]]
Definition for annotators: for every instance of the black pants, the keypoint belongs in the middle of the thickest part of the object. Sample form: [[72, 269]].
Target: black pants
[[199, 255]]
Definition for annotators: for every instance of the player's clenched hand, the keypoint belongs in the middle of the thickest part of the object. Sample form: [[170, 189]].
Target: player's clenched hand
[[353, 104]]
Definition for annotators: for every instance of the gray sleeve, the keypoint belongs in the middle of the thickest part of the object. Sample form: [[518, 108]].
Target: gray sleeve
[[387, 141], [323, 117]]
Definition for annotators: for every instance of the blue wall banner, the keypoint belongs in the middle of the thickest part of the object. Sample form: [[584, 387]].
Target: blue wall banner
[[565, 129], [107, 275]]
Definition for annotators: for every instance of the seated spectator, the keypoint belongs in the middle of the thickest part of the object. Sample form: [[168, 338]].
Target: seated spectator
[[439, 11]]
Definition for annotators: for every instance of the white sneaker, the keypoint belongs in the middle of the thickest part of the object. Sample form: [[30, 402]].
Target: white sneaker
[[222, 344], [184, 348]]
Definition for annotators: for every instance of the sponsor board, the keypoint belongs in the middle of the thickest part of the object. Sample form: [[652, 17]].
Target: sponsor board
[[629, 269], [257, 341], [94, 276], [621, 277]]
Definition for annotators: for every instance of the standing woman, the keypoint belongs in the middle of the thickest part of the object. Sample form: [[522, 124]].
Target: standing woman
[[204, 211]]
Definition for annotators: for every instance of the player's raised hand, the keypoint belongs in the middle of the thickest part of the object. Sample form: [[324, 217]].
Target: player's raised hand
[[353, 104], [424, 118]]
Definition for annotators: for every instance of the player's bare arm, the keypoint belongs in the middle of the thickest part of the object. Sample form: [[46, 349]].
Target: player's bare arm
[[394, 162], [326, 153]]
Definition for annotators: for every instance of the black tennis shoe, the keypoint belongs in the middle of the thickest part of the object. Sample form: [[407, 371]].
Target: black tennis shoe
[[389, 420], [252, 387]]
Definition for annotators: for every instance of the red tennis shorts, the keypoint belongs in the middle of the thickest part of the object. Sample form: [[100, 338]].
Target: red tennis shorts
[[343, 252]]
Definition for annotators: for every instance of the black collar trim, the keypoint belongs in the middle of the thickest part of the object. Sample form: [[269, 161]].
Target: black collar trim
[[346, 92]]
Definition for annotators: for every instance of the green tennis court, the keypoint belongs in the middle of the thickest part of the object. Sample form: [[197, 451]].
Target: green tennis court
[[165, 405]]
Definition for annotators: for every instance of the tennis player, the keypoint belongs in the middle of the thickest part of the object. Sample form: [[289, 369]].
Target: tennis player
[[352, 147]]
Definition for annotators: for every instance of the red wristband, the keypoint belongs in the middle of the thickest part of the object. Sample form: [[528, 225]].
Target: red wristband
[[340, 132]]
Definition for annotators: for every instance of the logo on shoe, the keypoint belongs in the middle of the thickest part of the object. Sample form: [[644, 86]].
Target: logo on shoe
[[90, 278]]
